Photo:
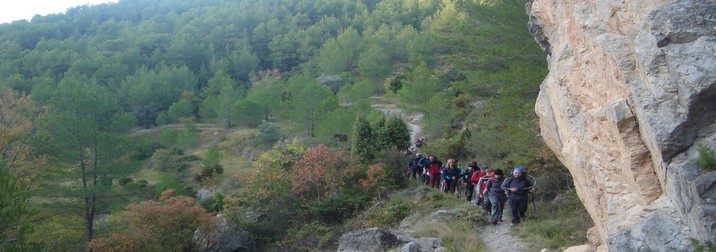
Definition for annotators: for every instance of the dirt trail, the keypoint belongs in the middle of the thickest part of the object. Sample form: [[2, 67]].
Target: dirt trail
[[498, 238], [389, 108]]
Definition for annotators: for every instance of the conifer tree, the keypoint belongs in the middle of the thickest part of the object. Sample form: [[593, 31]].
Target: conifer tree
[[15, 213], [362, 147], [398, 133], [84, 134]]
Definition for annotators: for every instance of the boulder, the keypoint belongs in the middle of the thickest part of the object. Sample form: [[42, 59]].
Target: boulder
[[428, 244], [372, 239], [410, 247], [446, 215]]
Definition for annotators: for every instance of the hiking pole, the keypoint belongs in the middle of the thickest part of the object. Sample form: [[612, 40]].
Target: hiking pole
[[534, 207]]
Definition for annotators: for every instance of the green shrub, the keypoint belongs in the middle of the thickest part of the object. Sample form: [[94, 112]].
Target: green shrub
[[144, 150], [334, 209], [167, 137], [396, 210], [172, 160], [125, 181], [707, 158], [309, 237], [164, 160], [555, 224], [142, 183], [393, 211], [211, 165], [269, 133], [170, 182], [214, 203], [207, 173], [212, 157], [187, 138], [395, 166]]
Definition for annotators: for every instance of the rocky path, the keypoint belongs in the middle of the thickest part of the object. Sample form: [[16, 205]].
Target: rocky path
[[498, 238], [412, 120]]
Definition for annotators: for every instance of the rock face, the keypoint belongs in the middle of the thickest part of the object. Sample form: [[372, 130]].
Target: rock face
[[631, 92]]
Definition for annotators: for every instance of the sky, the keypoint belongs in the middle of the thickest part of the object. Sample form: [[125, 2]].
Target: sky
[[25, 9]]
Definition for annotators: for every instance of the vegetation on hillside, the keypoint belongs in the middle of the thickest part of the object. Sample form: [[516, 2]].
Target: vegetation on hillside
[[257, 110]]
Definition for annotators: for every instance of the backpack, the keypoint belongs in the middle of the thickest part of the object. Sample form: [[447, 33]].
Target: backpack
[[466, 176], [423, 162]]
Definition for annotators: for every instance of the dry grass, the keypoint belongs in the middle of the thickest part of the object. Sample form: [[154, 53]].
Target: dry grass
[[237, 151], [556, 225], [383, 102], [236, 146], [456, 235], [238, 142], [152, 176]]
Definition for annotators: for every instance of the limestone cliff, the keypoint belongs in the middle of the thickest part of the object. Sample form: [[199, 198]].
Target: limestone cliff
[[630, 93]]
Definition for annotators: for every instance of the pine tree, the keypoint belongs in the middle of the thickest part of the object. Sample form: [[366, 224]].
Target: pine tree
[[362, 141], [84, 134], [398, 133], [15, 213]]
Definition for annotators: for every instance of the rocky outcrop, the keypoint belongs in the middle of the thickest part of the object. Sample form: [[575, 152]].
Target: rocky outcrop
[[378, 239], [372, 239], [631, 92]]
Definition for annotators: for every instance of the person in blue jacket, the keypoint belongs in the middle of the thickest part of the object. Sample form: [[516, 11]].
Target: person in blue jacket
[[423, 169], [451, 174], [517, 187]]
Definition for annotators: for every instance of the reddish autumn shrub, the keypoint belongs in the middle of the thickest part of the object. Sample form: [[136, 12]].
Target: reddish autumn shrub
[[318, 173], [164, 225]]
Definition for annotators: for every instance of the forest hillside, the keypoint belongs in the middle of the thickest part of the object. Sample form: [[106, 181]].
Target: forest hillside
[[158, 125]]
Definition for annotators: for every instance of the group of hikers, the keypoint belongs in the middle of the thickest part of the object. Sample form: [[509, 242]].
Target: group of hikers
[[486, 187]]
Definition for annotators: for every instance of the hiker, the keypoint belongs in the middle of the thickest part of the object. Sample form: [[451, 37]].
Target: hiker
[[517, 187], [411, 151], [482, 176], [489, 174], [496, 195], [450, 174], [433, 168], [475, 181], [414, 167], [420, 142], [423, 169], [467, 179]]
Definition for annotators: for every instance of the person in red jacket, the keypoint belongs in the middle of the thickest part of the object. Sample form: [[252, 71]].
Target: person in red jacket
[[434, 166], [489, 174], [474, 179], [479, 179]]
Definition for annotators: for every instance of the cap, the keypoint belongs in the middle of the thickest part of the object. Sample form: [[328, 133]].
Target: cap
[[517, 169], [499, 172]]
